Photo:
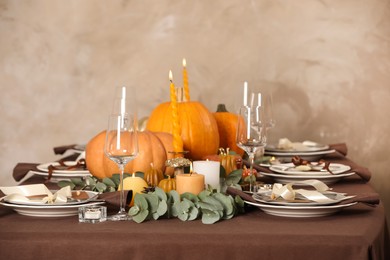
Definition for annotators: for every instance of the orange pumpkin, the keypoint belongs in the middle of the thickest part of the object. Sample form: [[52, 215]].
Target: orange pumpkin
[[151, 150], [227, 128], [167, 184], [199, 130]]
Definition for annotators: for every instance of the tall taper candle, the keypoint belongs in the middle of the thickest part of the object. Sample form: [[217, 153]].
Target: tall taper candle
[[176, 130], [185, 81]]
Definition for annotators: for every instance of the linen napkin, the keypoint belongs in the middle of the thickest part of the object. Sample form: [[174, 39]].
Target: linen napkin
[[112, 199], [371, 199], [21, 169], [62, 149], [341, 149]]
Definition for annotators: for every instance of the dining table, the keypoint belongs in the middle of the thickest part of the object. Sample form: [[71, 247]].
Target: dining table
[[355, 232]]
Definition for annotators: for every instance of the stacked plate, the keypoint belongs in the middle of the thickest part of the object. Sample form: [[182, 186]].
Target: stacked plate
[[287, 172], [43, 169], [307, 150], [36, 207], [300, 206]]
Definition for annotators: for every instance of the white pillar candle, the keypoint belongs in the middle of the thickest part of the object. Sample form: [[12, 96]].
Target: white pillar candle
[[210, 170]]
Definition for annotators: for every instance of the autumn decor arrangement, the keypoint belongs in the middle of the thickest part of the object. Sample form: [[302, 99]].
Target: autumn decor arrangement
[[181, 129]]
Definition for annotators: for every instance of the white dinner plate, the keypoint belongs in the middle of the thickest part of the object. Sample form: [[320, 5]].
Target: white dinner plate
[[298, 147], [289, 168], [309, 156], [76, 200], [327, 179], [48, 211], [300, 212], [61, 173], [300, 200]]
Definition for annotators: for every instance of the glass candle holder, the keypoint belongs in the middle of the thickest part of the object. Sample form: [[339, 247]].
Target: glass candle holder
[[92, 214]]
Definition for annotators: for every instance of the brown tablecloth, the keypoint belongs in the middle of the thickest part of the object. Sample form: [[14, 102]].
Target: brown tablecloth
[[357, 232]]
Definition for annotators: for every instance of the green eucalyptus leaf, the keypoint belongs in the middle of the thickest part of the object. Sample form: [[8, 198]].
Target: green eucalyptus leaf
[[141, 216], [109, 182], [161, 194], [175, 208], [216, 205], [134, 210], [209, 216], [162, 208], [226, 203], [193, 213], [141, 201], [175, 195], [77, 181], [190, 196], [153, 201], [203, 194], [234, 177], [100, 187], [64, 183], [90, 181], [116, 179]]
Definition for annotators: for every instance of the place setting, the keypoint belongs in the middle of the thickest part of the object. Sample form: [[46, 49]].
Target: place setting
[[285, 150], [36, 200], [300, 169], [284, 200]]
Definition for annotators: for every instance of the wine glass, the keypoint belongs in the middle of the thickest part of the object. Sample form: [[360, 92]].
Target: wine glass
[[252, 131], [121, 144]]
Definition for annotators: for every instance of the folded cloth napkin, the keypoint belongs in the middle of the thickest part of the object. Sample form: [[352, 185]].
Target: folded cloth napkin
[[112, 199], [371, 199], [245, 196], [341, 148], [63, 149], [363, 172], [21, 169]]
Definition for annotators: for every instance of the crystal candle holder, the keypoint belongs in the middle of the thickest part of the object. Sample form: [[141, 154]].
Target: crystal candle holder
[[92, 214]]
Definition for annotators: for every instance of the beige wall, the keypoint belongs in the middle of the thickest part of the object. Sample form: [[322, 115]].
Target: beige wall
[[327, 61]]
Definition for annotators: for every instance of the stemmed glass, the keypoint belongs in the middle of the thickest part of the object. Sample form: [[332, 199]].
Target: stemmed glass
[[121, 144], [252, 131]]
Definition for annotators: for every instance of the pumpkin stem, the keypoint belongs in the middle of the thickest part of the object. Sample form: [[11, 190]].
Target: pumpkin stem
[[221, 108]]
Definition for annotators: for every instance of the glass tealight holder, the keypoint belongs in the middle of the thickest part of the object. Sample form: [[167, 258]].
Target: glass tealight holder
[[92, 214]]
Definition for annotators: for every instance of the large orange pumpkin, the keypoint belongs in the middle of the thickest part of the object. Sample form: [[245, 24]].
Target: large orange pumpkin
[[199, 130], [227, 128], [151, 150]]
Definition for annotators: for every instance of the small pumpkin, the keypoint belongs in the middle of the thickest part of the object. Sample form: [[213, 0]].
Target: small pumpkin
[[227, 128], [167, 184], [199, 130], [153, 176], [151, 150], [136, 184]]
